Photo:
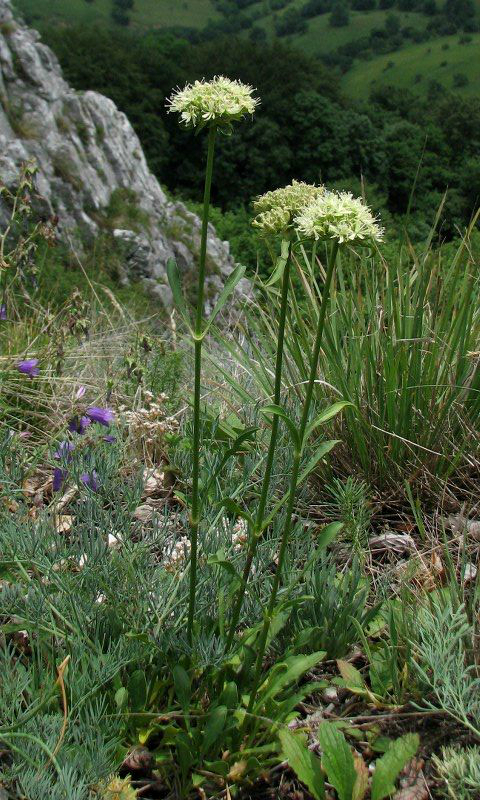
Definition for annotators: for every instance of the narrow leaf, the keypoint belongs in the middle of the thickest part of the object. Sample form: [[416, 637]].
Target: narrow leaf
[[321, 452], [278, 411], [304, 763], [230, 285], [173, 276], [329, 412], [328, 534], [280, 264], [234, 508]]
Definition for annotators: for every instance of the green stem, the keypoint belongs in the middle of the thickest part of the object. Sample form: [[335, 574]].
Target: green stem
[[198, 339], [293, 480], [258, 523]]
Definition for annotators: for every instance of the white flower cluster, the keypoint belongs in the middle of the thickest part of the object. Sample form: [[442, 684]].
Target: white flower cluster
[[177, 555], [220, 101], [276, 210], [338, 216], [240, 534], [148, 425]]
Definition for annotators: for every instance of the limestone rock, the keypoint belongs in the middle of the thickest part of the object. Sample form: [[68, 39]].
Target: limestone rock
[[93, 173]]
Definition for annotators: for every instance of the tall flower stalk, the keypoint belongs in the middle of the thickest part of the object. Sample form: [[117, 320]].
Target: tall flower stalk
[[215, 105], [275, 213], [339, 218]]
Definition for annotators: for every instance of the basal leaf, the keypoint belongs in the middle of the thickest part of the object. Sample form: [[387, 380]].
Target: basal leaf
[[389, 766], [304, 763], [214, 728], [352, 677], [337, 760], [181, 683]]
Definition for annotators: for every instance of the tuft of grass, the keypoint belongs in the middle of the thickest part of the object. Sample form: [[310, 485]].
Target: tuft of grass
[[402, 345]]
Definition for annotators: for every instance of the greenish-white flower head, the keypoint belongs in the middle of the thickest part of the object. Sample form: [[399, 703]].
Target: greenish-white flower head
[[275, 211], [219, 102], [338, 216]]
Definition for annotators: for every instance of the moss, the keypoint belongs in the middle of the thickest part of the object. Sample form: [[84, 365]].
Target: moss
[[63, 124], [99, 133], [23, 126], [65, 169], [123, 211], [8, 27]]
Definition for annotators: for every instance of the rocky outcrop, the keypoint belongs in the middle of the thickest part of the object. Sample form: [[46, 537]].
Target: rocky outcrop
[[93, 174]]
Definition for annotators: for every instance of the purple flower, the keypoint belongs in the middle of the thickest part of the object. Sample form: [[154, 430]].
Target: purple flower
[[79, 424], [90, 479], [80, 392], [29, 367], [59, 476], [3, 311], [101, 415], [109, 438], [64, 450]]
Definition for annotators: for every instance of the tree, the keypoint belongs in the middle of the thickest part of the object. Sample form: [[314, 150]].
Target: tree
[[340, 16], [313, 8], [459, 11], [392, 24], [364, 5], [290, 22]]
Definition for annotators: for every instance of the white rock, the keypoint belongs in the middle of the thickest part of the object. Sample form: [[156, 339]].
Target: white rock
[[86, 149]]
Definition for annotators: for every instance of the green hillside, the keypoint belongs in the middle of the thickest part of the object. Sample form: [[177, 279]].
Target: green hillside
[[321, 38], [452, 61], [146, 13], [415, 67]]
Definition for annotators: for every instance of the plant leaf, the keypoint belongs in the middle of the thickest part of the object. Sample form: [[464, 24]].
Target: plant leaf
[[280, 264], [304, 763], [278, 411], [230, 284], [137, 690], [234, 508], [321, 452], [329, 412], [328, 534], [173, 276], [181, 682], [337, 760], [287, 672], [352, 677], [214, 727], [389, 766], [361, 783]]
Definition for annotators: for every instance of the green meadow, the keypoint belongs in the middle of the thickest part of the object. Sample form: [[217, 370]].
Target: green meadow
[[416, 66]]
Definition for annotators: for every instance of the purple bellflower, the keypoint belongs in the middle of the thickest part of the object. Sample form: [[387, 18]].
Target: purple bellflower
[[29, 367]]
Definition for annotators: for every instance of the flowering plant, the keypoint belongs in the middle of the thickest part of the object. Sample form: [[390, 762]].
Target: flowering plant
[[276, 210], [338, 216], [218, 102]]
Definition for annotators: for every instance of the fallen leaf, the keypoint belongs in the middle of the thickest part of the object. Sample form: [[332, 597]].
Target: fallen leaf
[[390, 542]]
